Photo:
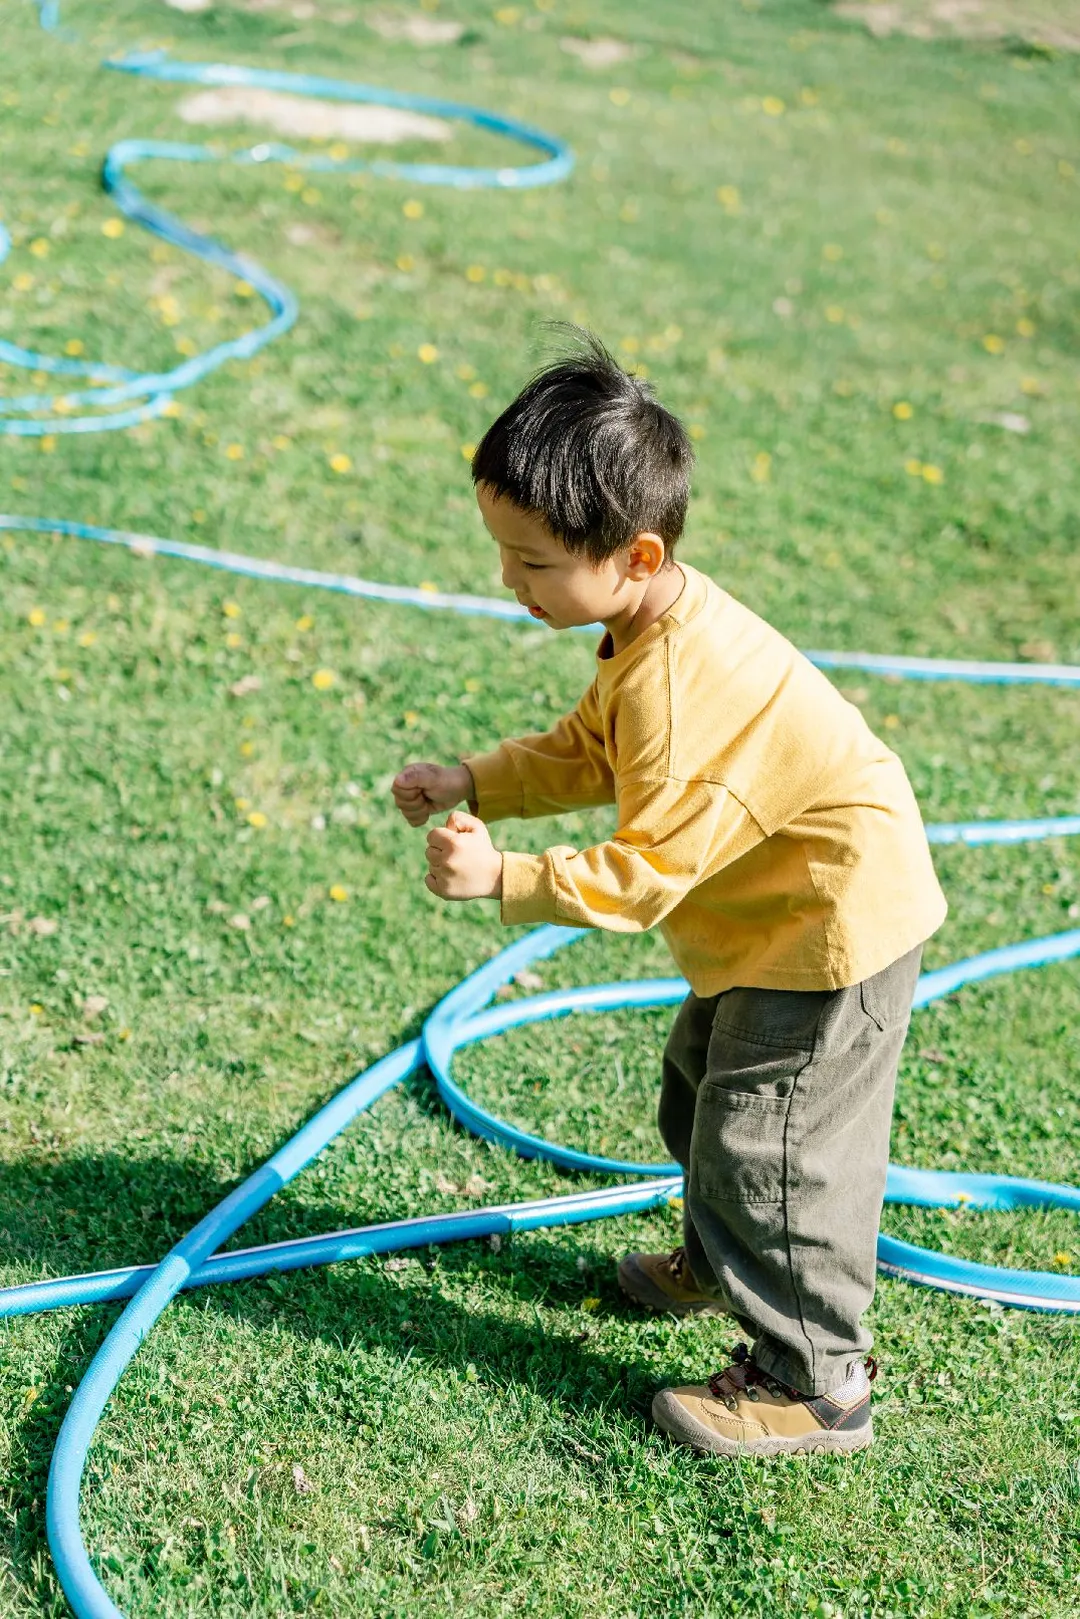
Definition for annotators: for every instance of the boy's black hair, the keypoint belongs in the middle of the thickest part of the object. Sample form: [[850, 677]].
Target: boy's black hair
[[587, 448]]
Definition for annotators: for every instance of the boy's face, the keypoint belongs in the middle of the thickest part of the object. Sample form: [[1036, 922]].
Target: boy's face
[[558, 588]]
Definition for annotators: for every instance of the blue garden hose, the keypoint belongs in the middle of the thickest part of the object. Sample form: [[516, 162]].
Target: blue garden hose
[[464, 1015]]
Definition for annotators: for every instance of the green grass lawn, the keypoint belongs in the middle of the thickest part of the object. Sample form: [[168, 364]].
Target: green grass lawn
[[795, 228]]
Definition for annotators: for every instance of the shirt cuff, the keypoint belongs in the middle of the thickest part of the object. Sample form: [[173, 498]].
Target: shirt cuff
[[528, 889], [499, 793]]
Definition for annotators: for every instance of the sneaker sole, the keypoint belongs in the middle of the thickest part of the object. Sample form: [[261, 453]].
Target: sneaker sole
[[673, 1417], [641, 1289]]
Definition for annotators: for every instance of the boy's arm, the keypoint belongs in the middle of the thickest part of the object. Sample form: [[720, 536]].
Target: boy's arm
[[565, 768], [672, 835]]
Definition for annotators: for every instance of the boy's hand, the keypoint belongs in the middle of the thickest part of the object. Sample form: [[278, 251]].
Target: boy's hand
[[421, 790], [462, 862]]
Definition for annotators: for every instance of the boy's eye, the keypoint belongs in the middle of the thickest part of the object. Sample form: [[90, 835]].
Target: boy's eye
[[535, 565]]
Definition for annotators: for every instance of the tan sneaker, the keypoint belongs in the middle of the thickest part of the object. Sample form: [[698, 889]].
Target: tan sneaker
[[666, 1282], [742, 1411]]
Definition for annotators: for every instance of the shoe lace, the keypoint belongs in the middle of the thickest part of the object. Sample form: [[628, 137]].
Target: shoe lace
[[744, 1375], [678, 1264]]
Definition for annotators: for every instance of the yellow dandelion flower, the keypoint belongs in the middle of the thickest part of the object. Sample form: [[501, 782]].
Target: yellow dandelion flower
[[311, 195], [234, 452], [993, 344], [36, 1009], [339, 151], [48, 444], [1030, 385], [464, 373], [413, 209], [913, 468], [23, 281], [234, 641], [258, 819], [932, 474], [478, 390], [619, 96], [36, 617], [40, 248], [247, 749], [1025, 327], [808, 97], [696, 430], [304, 623], [903, 411], [172, 408], [294, 182], [833, 252], [1024, 147], [761, 467], [185, 346], [242, 804], [340, 463], [123, 1034], [428, 353], [323, 679], [472, 685], [411, 717], [405, 261], [773, 107], [475, 273], [288, 921], [230, 609], [1063, 1257], [60, 626], [503, 278], [834, 314], [892, 721], [73, 346], [338, 893], [113, 228], [468, 451], [87, 638], [590, 1304], [430, 586]]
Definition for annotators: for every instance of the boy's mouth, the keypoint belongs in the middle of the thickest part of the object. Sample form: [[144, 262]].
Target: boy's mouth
[[537, 612]]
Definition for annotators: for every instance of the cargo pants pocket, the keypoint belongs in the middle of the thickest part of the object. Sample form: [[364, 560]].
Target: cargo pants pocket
[[738, 1151]]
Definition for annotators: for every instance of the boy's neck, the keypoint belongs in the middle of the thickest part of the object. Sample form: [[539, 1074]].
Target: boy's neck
[[662, 591]]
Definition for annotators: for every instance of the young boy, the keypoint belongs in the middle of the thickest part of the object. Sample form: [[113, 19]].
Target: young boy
[[776, 843]]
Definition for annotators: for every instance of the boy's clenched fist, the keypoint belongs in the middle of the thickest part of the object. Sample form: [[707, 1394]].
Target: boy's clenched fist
[[425, 789], [462, 861]]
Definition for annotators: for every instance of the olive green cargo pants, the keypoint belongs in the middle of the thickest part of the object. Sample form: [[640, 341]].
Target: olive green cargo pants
[[778, 1105]]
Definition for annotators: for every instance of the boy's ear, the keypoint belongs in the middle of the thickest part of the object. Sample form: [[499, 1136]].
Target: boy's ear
[[647, 553]]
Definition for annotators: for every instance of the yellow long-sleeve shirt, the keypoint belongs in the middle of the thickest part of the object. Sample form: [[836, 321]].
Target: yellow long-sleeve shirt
[[762, 825]]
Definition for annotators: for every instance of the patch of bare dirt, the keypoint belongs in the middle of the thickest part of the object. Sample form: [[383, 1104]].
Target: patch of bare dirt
[[597, 52], [415, 29], [1051, 23], [309, 118]]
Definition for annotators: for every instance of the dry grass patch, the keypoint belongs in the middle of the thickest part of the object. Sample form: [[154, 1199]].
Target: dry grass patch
[[1053, 23]]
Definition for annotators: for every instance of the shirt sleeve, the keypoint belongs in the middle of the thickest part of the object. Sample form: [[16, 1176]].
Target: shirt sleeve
[[672, 836], [565, 768]]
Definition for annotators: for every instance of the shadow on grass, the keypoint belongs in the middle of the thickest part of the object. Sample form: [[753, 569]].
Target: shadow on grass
[[98, 1211]]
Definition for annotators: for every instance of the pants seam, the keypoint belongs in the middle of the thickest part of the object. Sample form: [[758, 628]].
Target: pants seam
[[796, 1294]]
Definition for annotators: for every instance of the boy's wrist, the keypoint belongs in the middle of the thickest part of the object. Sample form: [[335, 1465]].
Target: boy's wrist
[[468, 785]]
